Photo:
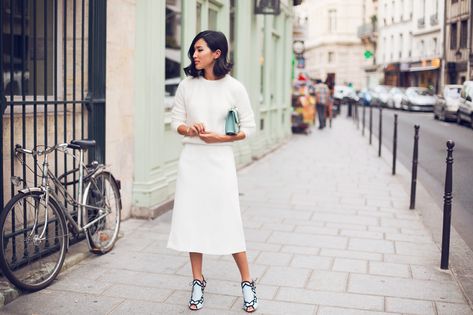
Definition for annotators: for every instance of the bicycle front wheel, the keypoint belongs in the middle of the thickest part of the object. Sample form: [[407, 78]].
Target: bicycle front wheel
[[103, 212], [33, 241]]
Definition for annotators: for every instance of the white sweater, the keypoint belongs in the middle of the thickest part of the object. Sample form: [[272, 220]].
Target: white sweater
[[204, 101]]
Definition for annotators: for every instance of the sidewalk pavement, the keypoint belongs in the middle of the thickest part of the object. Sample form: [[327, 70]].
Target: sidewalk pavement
[[328, 232]]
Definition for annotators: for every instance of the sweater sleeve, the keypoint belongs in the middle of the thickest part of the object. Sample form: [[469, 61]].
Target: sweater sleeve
[[245, 112], [178, 114]]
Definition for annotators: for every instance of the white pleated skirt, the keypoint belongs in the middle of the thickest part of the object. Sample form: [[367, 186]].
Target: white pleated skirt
[[206, 217]]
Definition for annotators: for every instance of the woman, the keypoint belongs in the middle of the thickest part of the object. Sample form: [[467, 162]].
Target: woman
[[206, 217]]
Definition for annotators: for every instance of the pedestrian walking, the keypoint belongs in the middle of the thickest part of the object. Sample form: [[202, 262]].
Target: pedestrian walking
[[322, 99], [206, 217]]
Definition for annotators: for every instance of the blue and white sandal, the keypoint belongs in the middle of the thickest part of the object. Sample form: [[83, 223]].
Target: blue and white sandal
[[197, 296], [250, 301]]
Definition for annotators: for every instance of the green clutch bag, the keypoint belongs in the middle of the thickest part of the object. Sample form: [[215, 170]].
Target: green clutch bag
[[232, 123]]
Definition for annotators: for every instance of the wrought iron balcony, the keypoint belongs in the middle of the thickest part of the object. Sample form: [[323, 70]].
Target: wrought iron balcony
[[367, 30], [421, 22], [434, 19]]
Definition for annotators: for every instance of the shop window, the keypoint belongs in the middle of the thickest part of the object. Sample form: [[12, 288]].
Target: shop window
[[173, 51]]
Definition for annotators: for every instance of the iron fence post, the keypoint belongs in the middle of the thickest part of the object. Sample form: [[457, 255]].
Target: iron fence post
[[363, 122], [447, 206], [415, 158]]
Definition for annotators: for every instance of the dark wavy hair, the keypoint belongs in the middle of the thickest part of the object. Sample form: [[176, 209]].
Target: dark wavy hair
[[215, 40]]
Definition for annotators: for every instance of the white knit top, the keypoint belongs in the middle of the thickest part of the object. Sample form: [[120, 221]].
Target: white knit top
[[204, 101]]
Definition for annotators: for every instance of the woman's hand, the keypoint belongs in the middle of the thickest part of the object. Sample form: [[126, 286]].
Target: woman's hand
[[211, 137]]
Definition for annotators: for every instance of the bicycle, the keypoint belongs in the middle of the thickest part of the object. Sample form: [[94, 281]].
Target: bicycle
[[35, 225]]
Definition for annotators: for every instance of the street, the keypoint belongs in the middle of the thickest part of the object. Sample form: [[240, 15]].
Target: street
[[433, 136]]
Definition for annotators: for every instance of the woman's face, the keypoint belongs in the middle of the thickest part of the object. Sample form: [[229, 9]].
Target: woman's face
[[204, 58]]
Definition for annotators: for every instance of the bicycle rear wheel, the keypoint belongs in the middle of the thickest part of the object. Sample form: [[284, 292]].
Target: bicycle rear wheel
[[102, 192], [30, 262]]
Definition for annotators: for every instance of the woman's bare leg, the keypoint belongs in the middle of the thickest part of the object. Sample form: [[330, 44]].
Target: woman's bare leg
[[242, 263], [196, 263]]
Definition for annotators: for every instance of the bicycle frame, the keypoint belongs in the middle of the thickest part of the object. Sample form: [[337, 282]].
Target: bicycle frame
[[45, 188]]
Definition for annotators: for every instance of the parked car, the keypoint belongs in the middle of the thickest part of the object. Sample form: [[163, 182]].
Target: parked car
[[380, 95], [344, 93], [448, 102], [365, 97], [396, 95], [465, 109], [419, 99]]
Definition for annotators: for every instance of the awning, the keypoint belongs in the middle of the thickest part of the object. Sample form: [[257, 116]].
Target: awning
[[425, 68]]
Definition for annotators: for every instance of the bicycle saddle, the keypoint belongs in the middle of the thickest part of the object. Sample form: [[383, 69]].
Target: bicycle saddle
[[82, 144]]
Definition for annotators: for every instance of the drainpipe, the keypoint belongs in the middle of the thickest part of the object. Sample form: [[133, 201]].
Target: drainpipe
[[444, 48]]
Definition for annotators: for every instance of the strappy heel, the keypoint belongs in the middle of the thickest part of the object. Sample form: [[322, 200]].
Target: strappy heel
[[197, 295], [250, 301]]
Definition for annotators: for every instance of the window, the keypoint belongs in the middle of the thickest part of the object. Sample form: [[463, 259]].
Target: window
[[453, 36], [401, 45], [198, 24], [422, 48], [172, 64], [454, 1], [464, 34], [332, 20], [212, 19], [392, 47], [393, 11], [434, 43], [402, 11], [27, 59], [331, 57]]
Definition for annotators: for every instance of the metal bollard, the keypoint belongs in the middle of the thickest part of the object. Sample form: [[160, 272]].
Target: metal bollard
[[363, 123], [357, 116], [371, 123], [380, 129], [395, 144], [447, 206], [415, 158]]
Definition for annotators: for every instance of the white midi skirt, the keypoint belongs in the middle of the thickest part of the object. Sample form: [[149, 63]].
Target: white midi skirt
[[206, 217]]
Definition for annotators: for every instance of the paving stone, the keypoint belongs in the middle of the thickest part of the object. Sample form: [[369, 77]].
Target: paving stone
[[431, 273], [328, 281], [346, 218], [377, 246], [60, 303], [450, 309], [316, 230], [327, 310], [407, 259], [275, 259], [300, 250], [405, 288], [359, 227], [151, 308], [308, 240], [347, 300], [362, 234], [350, 265], [312, 262], [351, 254], [409, 238], [138, 292], [233, 288], [286, 276], [277, 307], [384, 229], [409, 248], [256, 235], [389, 269], [409, 306], [278, 227], [262, 246], [217, 301], [223, 270]]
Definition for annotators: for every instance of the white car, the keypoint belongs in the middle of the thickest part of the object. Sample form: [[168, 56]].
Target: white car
[[465, 109], [448, 103], [396, 95], [419, 99]]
